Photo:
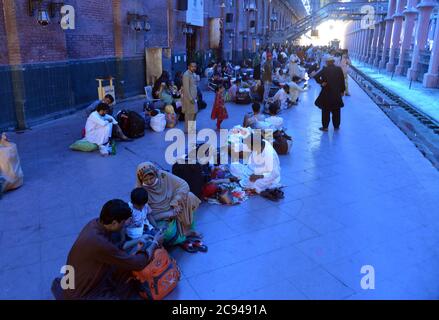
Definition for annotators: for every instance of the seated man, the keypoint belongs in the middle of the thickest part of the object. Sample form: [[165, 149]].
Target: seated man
[[295, 89], [281, 77], [257, 91], [108, 99], [234, 89], [283, 96], [99, 128], [276, 123], [251, 119], [262, 170], [101, 268]]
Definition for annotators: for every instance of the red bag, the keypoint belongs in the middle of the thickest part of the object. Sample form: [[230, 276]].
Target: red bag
[[159, 277]]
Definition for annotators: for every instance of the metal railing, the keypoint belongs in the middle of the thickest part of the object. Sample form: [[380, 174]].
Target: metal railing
[[333, 10]]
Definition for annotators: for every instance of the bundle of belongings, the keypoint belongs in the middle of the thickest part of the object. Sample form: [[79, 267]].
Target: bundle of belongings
[[223, 188], [236, 138], [162, 273], [11, 174]]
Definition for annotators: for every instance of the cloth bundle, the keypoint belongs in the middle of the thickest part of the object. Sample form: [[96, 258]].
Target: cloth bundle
[[11, 174]]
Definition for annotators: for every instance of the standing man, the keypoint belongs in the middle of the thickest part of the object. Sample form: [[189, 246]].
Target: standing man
[[330, 100], [267, 75], [189, 98]]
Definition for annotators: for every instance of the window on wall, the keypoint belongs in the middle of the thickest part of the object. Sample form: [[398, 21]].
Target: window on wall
[[229, 18]]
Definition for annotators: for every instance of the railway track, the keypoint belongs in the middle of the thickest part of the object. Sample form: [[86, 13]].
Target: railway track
[[419, 127]]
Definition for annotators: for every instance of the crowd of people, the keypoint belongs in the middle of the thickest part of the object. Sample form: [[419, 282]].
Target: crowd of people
[[161, 209]]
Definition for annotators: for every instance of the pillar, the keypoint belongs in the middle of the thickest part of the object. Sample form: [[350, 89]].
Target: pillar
[[409, 24], [369, 38], [376, 60], [15, 61], [431, 78], [388, 32], [374, 43], [425, 8], [398, 18], [363, 40]]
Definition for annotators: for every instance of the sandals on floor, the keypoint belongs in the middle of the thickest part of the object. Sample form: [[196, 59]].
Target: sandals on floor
[[188, 247], [199, 245]]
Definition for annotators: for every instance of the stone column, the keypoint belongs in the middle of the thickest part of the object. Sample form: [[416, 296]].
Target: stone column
[[369, 39], [388, 32], [376, 60], [425, 8], [431, 78], [374, 44], [398, 18], [363, 43], [11, 12], [409, 23]]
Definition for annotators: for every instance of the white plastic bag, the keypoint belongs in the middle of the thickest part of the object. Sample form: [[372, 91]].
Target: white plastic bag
[[158, 122], [11, 175]]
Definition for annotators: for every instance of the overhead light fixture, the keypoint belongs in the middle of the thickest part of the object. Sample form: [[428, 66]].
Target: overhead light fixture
[[138, 22], [187, 29], [42, 15]]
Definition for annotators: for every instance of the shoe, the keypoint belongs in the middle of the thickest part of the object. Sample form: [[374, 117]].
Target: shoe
[[104, 150], [336, 128], [323, 129]]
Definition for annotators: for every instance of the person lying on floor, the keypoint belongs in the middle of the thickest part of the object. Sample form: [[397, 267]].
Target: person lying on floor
[[101, 268], [262, 170], [172, 206]]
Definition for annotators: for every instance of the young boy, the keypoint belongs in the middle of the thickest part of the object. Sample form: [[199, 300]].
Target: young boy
[[141, 221]]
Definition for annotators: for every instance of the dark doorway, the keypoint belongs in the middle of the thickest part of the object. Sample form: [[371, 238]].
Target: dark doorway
[[191, 45]]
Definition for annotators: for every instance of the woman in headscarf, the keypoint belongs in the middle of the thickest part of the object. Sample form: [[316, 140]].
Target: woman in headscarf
[[172, 204]]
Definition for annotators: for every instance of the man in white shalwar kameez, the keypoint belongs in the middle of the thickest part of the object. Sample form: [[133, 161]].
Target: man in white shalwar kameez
[[295, 89], [99, 127], [262, 170]]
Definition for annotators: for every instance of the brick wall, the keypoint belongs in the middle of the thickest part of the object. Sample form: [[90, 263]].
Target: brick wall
[[3, 39], [93, 36], [38, 43]]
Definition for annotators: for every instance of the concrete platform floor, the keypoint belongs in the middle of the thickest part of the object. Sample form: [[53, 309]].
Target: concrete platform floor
[[361, 196]]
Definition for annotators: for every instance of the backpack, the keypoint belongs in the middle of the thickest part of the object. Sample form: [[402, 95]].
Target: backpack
[[159, 277], [282, 142], [131, 123]]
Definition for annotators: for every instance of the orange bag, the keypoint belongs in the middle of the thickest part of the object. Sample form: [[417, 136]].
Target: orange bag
[[159, 277]]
